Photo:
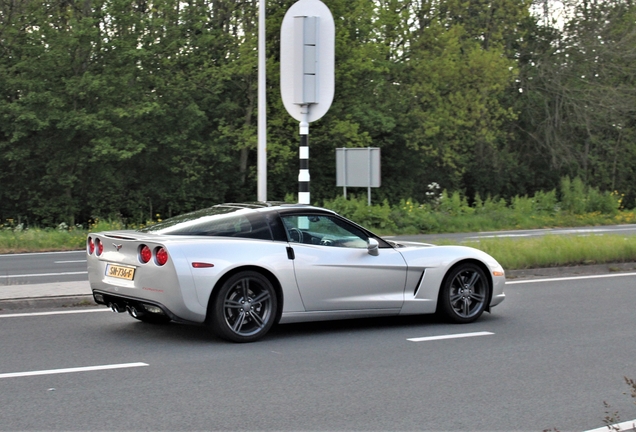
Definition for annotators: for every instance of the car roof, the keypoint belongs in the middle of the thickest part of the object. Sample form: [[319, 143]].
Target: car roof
[[221, 211], [266, 206]]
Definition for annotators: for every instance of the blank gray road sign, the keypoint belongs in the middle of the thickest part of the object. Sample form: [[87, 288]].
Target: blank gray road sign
[[358, 167]]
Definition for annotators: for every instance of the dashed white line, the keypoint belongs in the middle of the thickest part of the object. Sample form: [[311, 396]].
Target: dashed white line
[[624, 426], [566, 278], [43, 274], [18, 255], [451, 336], [69, 262], [71, 370], [16, 315], [499, 236]]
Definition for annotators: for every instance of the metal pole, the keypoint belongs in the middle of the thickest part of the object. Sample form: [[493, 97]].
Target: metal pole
[[369, 178], [344, 170], [262, 108], [303, 154]]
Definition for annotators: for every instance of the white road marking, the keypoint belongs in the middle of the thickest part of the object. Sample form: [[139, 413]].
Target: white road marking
[[539, 233], [452, 336], [566, 278], [43, 274], [54, 313], [624, 426], [69, 262], [18, 255], [499, 236], [71, 370]]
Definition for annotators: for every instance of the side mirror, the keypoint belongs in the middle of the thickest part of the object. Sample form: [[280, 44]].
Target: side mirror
[[373, 247]]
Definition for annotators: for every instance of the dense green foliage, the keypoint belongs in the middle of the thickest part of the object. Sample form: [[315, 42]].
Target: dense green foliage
[[129, 109], [573, 204]]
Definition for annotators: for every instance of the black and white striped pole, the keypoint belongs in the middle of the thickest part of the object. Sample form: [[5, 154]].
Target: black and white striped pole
[[307, 73], [303, 154]]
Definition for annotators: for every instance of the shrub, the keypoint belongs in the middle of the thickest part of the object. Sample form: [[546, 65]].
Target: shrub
[[358, 210], [545, 202], [573, 197], [522, 205], [601, 202], [455, 204]]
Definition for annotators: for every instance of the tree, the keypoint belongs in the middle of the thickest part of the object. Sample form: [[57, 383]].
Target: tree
[[579, 96]]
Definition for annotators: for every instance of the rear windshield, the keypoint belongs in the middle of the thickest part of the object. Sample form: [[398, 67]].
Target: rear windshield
[[215, 221]]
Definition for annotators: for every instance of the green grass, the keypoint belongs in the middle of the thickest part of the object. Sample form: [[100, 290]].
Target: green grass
[[17, 240], [41, 240], [557, 250]]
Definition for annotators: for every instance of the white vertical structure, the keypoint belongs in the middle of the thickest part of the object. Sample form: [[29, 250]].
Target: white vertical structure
[[307, 56], [261, 163], [306, 35]]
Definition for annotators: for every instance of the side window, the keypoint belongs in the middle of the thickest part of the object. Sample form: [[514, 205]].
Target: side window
[[258, 228], [323, 230]]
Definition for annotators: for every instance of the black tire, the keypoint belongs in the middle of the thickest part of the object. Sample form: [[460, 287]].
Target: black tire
[[464, 293], [244, 308]]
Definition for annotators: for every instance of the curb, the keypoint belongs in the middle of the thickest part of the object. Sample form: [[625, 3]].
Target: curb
[[47, 302]]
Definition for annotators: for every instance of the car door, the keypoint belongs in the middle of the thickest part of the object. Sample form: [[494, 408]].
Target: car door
[[333, 267]]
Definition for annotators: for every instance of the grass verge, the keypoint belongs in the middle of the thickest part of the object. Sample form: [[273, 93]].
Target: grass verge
[[41, 240], [557, 250]]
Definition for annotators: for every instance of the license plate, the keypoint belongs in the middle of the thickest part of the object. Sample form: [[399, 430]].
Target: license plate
[[120, 272]]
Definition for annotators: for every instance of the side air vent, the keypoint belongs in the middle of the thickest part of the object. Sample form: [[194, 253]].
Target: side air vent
[[419, 284]]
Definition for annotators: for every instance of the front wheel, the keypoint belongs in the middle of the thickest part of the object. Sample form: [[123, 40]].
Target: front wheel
[[244, 308], [464, 293]]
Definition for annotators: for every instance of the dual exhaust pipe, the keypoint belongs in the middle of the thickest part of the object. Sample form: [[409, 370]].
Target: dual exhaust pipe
[[117, 308]]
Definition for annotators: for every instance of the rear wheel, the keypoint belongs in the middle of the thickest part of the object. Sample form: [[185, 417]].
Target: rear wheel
[[464, 294], [244, 308]]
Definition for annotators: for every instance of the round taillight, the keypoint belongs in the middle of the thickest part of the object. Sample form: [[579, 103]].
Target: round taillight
[[145, 254], [99, 246], [90, 246], [162, 256]]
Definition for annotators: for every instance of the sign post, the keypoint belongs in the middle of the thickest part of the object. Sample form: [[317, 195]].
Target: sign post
[[307, 63], [261, 153]]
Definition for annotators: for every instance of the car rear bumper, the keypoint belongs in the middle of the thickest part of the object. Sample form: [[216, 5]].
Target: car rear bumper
[[135, 306]]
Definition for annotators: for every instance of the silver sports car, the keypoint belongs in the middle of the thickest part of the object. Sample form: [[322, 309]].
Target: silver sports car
[[241, 268]]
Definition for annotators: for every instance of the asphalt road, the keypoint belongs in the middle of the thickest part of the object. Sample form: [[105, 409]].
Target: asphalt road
[[38, 268], [545, 358], [20, 269]]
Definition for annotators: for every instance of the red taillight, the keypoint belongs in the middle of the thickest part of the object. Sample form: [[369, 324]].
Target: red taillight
[[145, 254], [100, 247], [90, 245], [162, 256]]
